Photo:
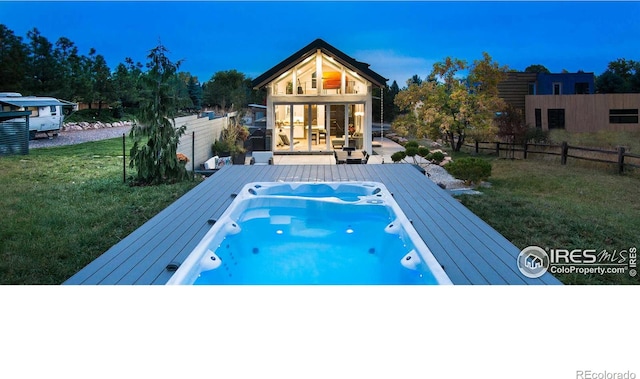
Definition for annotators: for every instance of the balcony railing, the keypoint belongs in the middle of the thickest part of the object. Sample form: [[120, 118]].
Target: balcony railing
[[309, 88]]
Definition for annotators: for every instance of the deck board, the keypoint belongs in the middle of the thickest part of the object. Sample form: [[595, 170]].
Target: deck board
[[470, 251]]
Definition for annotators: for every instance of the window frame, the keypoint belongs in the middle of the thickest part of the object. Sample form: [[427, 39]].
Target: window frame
[[623, 116]]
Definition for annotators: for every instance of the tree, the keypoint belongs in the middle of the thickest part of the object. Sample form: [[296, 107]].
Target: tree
[[195, 92], [447, 105], [537, 68], [227, 90], [102, 85], [42, 67], [511, 126], [155, 136], [415, 79], [127, 83], [621, 76], [13, 58], [66, 53]]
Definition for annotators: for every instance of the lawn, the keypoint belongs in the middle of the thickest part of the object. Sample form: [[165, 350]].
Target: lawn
[[577, 206], [62, 207]]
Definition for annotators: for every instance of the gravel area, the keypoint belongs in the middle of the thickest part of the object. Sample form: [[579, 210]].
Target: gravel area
[[79, 136], [440, 176]]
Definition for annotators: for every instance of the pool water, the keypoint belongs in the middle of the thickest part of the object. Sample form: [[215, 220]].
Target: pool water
[[314, 233]]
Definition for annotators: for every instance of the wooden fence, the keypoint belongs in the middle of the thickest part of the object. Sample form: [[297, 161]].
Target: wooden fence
[[619, 157]]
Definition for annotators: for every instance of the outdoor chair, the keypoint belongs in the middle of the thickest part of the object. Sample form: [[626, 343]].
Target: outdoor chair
[[285, 140], [262, 158]]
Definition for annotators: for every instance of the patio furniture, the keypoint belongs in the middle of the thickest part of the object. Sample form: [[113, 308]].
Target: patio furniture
[[285, 140], [322, 134], [262, 158], [349, 155], [209, 167]]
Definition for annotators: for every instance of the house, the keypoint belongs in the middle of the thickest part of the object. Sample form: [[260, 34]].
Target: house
[[319, 99], [518, 85]]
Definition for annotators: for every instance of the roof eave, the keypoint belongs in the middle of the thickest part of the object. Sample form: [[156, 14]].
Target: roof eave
[[310, 49]]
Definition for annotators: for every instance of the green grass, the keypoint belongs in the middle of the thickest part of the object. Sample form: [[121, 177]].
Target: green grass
[[570, 207], [62, 207], [604, 139]]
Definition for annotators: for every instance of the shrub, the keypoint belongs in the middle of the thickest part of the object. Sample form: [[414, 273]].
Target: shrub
[[471, 170], [423, 151], [398, 156], [436, 157], [410, 144], [537, 135], [411, 151]]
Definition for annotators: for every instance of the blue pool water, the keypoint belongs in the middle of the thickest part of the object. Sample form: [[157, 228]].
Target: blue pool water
[[311, 233]]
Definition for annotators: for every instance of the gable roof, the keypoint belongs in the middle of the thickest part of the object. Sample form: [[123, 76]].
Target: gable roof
[[360, 67]]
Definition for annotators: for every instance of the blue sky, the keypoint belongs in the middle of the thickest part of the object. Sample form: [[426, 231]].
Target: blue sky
[[398, 39]]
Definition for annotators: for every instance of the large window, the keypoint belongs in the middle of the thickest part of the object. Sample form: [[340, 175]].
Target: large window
[[555, 118], [307, 79], [623, 116]]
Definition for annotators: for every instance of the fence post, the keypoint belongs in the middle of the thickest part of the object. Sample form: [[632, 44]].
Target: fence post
[[124, 160], [498, 148], [526, 145], [477, 149], [193, 155], [620, 159], [565, 152]]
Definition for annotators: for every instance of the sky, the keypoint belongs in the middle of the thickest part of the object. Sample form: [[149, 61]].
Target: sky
[[397, 39]]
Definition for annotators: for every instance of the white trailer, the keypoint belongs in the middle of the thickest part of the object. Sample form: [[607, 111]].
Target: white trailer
[[47, 113]]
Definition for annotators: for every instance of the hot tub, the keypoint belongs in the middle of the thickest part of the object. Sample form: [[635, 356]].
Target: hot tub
[[311, 233]]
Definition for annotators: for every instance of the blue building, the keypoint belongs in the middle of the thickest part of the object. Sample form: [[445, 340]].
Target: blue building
[[517, 85], [580, 83]]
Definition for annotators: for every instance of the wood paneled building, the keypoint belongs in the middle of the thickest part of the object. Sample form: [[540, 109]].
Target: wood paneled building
[[584, 113]]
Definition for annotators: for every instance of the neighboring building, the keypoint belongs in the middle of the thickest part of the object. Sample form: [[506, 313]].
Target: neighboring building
[[584, 113], [580, 83], [319, 99], [518, 85]]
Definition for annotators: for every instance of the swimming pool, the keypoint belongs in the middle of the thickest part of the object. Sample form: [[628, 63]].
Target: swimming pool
[[311, 233]]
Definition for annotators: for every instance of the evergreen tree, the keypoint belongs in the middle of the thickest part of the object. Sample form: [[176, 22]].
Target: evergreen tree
[[66, 53], [195, 92], [155, 135], [13, 59], [42, 67], [102, 86]]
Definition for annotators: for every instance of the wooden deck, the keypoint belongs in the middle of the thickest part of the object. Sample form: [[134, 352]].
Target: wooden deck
[[470, 251]]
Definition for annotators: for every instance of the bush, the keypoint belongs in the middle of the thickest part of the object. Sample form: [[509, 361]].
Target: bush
[[411, 151], [411, 144], [398, 156], [104, 115], [537, 135], [423, 151], [436, 157], [471, 170]]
